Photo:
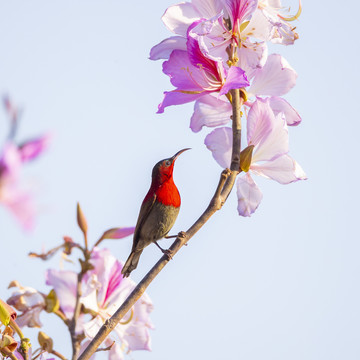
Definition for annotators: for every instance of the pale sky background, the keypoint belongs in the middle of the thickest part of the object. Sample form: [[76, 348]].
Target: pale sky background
[[282, 285]]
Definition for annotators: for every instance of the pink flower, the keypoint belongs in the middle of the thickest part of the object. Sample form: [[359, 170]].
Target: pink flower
[[178, 18], [194, 75], [12, 195], [104, 290], [274, 79], [268, 134]]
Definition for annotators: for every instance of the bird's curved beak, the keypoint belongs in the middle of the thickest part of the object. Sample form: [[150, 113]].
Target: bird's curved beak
[[173, 158]]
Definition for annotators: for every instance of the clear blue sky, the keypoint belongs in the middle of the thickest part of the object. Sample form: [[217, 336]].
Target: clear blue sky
[[281, 285]]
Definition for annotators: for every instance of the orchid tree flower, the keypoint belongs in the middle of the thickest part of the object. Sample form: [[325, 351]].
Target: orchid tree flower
[[194, 75], [220, 35], [218, 25], [104, 290], [275, 79], [12, 195], [268, 135], [30, 302]]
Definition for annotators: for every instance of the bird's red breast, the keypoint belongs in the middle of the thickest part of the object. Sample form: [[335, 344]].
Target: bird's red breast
[[166, 193]]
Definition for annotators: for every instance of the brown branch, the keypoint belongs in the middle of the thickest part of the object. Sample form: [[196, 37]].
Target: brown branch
[[226, 183], [72, 326], [60, 356]]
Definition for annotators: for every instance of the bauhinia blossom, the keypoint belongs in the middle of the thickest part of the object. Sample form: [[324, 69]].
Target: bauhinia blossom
[[194, 76], [12, 194], [275, 79], [104, 290], [268, 134]]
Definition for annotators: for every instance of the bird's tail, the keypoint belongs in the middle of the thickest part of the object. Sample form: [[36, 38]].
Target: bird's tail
[[131, 263]]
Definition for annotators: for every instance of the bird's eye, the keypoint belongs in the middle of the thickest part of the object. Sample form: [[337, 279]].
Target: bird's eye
[[167, 162]]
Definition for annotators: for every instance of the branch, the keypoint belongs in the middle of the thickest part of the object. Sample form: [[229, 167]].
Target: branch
[[226, 183], [72, 326]]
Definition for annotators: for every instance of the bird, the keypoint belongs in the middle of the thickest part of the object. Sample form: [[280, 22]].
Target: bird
[[158, 211]]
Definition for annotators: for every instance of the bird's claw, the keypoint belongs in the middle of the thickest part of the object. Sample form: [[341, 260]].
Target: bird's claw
[[182, 234], [169, 253]]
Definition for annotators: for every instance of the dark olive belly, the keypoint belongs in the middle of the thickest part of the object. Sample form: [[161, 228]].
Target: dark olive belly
[[158, 223]]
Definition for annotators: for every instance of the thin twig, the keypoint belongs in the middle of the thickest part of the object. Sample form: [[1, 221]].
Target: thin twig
[[60, 356], [72, 326], [223, 190], [107, 348]]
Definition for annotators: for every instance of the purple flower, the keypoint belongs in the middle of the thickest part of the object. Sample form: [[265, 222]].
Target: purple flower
[[12, 195], [104, 290], [268, 134], [274, 79], [194, 76]]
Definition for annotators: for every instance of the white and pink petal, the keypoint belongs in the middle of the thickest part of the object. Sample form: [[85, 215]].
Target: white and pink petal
[[178, 18], [280, 105], [275, 78], [249, 195], [64, 284], [166, 47], [211, 111], [283, 169], [277, 141], [219, 142]]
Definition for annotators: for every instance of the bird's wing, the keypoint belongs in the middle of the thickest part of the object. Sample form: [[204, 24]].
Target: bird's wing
[[144, 213]]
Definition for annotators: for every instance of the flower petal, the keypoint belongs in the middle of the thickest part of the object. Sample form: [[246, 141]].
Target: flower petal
[[279, 104], [116, 352], [207, 8], [276, 78], [239, 11], [210, 111], [249, 195], [270, 134], [178, 18], [92, 327], [165, 47], [177, 98], [252, 56], [235, 79], [33, 148], [64, 284], [212, 36], [283, 169], [259, 122], [219, 142]]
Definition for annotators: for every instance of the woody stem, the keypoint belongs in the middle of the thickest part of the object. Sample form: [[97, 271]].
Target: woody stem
[[226, 183]]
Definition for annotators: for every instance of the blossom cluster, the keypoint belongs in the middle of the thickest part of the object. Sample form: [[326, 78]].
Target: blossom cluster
[[220, 45], [13, 195], [103, 289]]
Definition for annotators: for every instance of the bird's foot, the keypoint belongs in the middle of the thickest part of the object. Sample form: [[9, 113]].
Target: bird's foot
[[167, 252], [182, 235]]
